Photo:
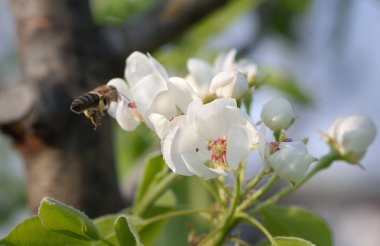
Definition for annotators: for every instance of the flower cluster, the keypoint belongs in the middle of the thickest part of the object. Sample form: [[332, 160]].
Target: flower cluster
[[203, 132]]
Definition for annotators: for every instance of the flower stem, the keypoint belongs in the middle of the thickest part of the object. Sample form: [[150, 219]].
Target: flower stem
[[254, 181], [154, 194], [251, 199], [217, 236], [323, 163], [257, 224]]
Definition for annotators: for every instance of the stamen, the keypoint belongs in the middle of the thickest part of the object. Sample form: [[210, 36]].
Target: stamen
[[132, 105], [218, 149]]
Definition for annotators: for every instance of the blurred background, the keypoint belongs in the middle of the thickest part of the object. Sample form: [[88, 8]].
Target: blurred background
[[322, 55]]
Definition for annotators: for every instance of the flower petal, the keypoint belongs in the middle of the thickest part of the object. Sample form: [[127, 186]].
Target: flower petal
[[125, 117], [200, 76], [182, 93], [159, 123], [238, 145], [170, 147]]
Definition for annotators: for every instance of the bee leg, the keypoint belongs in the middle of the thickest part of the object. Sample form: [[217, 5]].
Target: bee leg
[[92, 116]]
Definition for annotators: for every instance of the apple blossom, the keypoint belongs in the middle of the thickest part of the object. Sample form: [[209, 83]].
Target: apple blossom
[[148, 95], [351, 136], [291, 161], [277, 114], [211, 139], [225, 79]]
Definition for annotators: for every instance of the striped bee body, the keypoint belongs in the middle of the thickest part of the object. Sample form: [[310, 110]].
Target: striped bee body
[[93, 103]]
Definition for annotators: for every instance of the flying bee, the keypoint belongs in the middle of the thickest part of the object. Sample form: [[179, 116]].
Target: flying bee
[[93, 103]]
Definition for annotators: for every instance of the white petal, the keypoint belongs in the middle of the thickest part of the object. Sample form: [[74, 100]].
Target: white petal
[[170, 147], [200, 75], [238, 144], [157, 67], [225, 61], [223, 84], [182, 93], [137, 67], [212, 119], [146, 90], [160, 124], [125, 117], [193, 149]]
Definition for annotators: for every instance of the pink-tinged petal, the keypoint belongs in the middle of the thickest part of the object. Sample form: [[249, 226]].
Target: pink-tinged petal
[[182, 93], [170, 147], [125, 117], [160, 124], [238, 145], [194, 153]]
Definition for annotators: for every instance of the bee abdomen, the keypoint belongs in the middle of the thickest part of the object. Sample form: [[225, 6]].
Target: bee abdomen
[[86, 101]]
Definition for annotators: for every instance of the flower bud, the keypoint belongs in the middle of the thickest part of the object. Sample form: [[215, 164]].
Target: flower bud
[[277, 114], [229, 85], [351, 136], [291, 161]]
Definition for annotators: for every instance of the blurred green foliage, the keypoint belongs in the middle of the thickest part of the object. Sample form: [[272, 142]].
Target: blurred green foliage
[[278, 16], [116, 11]]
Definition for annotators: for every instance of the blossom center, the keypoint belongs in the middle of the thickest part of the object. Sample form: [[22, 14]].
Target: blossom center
[[218, 149]]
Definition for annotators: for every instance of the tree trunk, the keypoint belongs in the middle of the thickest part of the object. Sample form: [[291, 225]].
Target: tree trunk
[[65, 159]]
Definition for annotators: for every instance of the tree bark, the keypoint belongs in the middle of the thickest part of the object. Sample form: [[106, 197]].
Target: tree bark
[[65, 158]]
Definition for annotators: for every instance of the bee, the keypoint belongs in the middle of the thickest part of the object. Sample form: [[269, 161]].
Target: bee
[[93, 103]]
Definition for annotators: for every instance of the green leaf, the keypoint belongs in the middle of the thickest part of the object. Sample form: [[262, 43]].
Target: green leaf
[[296, 222], [288, 241], [58, 217], [155, 169], [31, 232], [105, 225], [126, 233]]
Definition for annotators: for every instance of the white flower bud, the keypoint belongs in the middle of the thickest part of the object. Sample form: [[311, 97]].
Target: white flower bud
[[229, 85], [351, 136], [277, 114], [291, 161]]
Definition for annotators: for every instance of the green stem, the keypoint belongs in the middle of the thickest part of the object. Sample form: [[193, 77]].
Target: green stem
[[154, 194], [253, 182], [260, 226], [217, 236], [251, 199], [173, 214], [213, 191], [323, 163]]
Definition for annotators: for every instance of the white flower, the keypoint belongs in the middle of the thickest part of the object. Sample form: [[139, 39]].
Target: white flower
[[225, 79], [209, 140], [291, 161], [148, 81], [351, 136], [277, 114], [149, 95]]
